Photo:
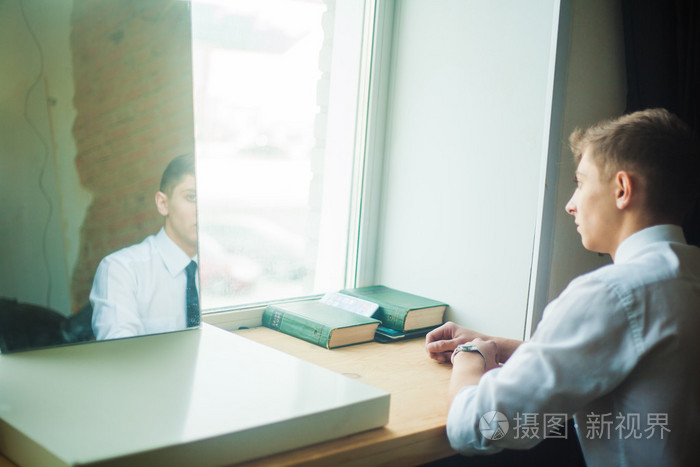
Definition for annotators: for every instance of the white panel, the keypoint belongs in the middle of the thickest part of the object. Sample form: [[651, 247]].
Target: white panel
[[467, 134], [199, 397]]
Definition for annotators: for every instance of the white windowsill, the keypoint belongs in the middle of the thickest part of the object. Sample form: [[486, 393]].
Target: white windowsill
[[244, 317], [231, 320]]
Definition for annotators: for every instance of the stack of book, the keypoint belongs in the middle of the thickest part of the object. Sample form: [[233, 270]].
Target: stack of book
[[353, 315]]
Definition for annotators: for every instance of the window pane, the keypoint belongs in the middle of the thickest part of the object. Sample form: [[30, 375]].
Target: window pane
[[276, 95]]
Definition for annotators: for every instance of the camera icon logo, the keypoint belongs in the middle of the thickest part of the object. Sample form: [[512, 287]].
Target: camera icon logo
[[493, 425]]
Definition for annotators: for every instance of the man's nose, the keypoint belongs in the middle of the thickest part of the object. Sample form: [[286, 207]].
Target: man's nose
[[571, 206]]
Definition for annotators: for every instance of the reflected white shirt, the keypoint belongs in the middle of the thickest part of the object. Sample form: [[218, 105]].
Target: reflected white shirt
[[141, 289], [620, 349]]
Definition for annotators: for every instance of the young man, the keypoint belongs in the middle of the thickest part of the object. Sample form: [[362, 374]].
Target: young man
[[619, 349], [151, 287]]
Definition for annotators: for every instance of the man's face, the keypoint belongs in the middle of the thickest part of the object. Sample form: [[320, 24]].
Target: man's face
[[180, 211], [593, 207]]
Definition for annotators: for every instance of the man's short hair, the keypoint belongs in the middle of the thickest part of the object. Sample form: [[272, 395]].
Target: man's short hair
[[653, 143], [175, 171]]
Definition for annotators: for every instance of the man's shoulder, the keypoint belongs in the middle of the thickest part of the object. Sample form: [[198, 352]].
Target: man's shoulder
[[601, 276], [609, 286], [139, 252], [662, 263]]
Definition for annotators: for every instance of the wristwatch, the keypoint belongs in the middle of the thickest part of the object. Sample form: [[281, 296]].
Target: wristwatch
[[468, 347]]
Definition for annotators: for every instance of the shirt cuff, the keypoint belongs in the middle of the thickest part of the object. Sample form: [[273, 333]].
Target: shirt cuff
[[463, 424]]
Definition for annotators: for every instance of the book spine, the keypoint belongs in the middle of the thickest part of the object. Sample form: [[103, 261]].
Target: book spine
[[296, 326], [393, 317]]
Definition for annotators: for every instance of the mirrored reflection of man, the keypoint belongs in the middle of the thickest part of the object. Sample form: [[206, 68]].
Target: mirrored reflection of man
[[619, 348], [152, 287]]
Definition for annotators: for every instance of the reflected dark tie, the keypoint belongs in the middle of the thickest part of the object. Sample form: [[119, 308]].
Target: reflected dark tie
[[191, 297]]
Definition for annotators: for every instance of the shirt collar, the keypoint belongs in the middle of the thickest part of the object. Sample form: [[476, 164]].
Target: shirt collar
[[174, 258], [636, 242]]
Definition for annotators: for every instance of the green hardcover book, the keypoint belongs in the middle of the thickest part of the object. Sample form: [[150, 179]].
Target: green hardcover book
[[320, 324], [400, 310]]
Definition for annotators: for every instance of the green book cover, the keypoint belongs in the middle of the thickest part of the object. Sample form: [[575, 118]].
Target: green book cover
[[399, 310], [319, 323]]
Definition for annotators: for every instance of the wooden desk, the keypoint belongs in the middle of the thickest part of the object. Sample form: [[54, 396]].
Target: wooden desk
[[418, 386]]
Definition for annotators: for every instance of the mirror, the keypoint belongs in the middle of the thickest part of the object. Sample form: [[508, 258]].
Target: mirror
[[96, 101]]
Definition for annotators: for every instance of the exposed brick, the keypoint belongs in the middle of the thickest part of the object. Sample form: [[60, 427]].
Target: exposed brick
[[134, 114]]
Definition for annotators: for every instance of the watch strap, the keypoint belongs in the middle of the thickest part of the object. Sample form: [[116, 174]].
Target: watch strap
[[468, 347]]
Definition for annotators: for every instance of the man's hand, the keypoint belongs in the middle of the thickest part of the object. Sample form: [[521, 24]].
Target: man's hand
[[440, 342]]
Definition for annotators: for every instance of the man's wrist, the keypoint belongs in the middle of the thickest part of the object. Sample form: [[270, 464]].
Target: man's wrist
[[469, 348], [468, 358]]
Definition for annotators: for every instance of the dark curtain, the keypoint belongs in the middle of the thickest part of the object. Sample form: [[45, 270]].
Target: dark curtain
[[662, 52]]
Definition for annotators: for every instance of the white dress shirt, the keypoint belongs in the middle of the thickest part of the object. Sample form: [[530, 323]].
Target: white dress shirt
[[620, 349], [140, 289]]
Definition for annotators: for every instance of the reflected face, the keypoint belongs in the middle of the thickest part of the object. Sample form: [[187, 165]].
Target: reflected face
[[180, 212], [593, 207]]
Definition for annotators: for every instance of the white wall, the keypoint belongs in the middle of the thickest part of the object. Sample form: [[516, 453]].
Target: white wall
[[466, 134], [52, 25], [26, 272], [595, 90]]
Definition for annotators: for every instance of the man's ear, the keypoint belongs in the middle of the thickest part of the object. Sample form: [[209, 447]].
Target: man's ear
[[162, 203], [624, 189]]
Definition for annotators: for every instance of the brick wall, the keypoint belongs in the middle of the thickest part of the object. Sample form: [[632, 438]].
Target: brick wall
[[133, 98]]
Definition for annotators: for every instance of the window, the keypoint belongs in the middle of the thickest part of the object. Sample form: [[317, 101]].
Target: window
[[281, 98]]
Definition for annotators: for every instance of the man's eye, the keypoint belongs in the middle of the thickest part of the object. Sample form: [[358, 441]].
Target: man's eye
[[191, 197]]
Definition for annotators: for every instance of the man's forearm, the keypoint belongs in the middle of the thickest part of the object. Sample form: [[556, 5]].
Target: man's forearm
[[467, 371], [469, 367]]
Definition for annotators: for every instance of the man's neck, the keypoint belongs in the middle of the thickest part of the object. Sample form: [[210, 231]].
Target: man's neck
[[188, 249]]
